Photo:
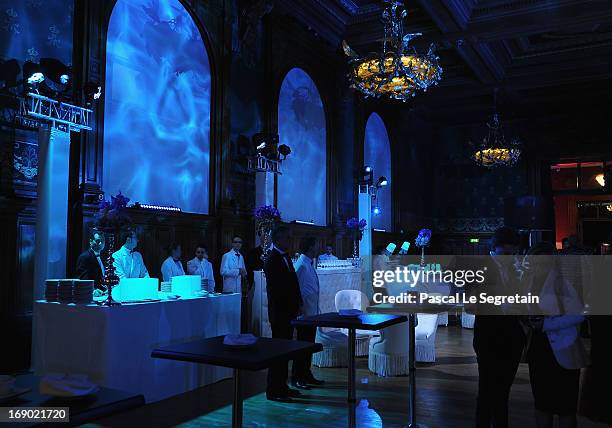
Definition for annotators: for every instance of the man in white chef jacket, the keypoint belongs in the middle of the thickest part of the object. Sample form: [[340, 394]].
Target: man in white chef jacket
[[233, 269], [127, 261], [301, 376], [172, 266], [200, 265]]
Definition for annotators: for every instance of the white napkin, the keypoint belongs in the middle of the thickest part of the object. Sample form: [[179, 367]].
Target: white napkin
[[63, 385], [239, 339]]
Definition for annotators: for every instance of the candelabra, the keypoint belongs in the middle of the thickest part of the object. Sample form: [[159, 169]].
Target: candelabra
[[110, 277]]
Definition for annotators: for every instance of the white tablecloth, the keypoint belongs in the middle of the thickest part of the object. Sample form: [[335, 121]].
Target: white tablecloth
[[113, 345], [330, 282]]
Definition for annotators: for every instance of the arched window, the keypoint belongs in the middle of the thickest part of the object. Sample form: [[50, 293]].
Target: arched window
[[157, 106], [302, 189], [377, 154]]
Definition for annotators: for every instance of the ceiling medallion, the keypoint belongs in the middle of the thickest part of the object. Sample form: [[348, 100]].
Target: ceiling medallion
[[493, 150], [398, 71]]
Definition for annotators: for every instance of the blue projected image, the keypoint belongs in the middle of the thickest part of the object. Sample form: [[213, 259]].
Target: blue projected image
[[35, 29], [302, 187], [157, 106], [377, 154]]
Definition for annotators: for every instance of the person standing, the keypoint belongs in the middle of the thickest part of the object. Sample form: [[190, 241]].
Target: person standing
[[89, 264], [308, 280], [328, 255], [556, 352], [200, 265], [172, 266], [499, 339], [127, 261], [284, 302], [232, 267]]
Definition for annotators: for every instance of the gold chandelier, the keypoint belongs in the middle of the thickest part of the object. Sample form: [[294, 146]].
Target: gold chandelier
[[398, 71]]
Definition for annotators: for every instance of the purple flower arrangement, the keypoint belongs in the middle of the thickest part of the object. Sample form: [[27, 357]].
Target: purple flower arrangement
[[356, 226], [267, 213], [113, 214], [423, 238]]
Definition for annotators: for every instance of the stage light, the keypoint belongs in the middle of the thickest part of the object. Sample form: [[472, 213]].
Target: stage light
[[284, 150], [266, 145], [92, 92], [32, 73], [55, 70], [376, 210], [390, 248], [601, 180], [9, 70], [382, 181], [405, 247], [366, 175]]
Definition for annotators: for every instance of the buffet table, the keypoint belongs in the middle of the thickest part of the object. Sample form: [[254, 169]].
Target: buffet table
[[330, 282], [113, 345]]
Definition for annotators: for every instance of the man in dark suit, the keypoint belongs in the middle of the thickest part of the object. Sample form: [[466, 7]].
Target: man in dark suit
[[499, 339], [284, 301], [89, 263]]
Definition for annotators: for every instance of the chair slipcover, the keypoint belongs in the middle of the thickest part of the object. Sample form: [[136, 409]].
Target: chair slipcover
[[355, 299]]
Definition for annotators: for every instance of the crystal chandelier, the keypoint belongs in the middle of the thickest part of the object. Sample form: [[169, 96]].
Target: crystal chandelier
[[493, 150], [397, 71]]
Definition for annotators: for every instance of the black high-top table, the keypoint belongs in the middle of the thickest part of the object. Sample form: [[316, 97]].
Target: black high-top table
[[370, 322], [263, 354]]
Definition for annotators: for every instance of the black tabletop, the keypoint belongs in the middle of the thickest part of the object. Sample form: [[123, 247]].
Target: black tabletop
[[262, 355], [408, 308], [104, 403], [360, 322]]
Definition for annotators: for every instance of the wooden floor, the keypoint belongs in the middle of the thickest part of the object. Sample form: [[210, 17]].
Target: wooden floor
[[446, 397]]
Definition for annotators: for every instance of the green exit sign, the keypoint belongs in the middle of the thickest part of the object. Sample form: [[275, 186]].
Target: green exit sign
[[474, 240]]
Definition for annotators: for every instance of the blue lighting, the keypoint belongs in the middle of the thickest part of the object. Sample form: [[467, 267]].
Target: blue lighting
[[377, 154], [302, 189], [36, 78], [157, 106], [376, 210]]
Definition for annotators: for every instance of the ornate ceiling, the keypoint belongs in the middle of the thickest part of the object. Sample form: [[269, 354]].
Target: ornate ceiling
[[545, 56]]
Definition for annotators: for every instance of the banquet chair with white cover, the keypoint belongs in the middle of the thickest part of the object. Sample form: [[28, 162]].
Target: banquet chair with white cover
[[335, 349], [467, 320], [389, 353], [355, 299], [443, 319]]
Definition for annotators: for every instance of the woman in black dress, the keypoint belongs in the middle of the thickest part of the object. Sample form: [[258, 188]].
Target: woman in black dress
[[555, 352]]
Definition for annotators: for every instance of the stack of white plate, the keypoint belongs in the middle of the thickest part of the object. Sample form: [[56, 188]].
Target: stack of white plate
[[51, 290], [64, 291], [83, 291]]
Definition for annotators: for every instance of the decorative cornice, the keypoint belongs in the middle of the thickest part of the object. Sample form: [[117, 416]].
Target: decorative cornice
[[468, 224]]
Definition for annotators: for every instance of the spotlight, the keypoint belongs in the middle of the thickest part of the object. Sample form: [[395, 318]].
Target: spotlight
[[376, 210], [55, 70], [366, 175], [92, 92], [32, 73], [382, 181], [405, 247], [266, 145], [284, 150], [9, 70]]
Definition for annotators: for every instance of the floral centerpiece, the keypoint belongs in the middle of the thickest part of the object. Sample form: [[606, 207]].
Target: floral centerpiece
[[422, 241], [357, 227], [265, 218], [112, 216]]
